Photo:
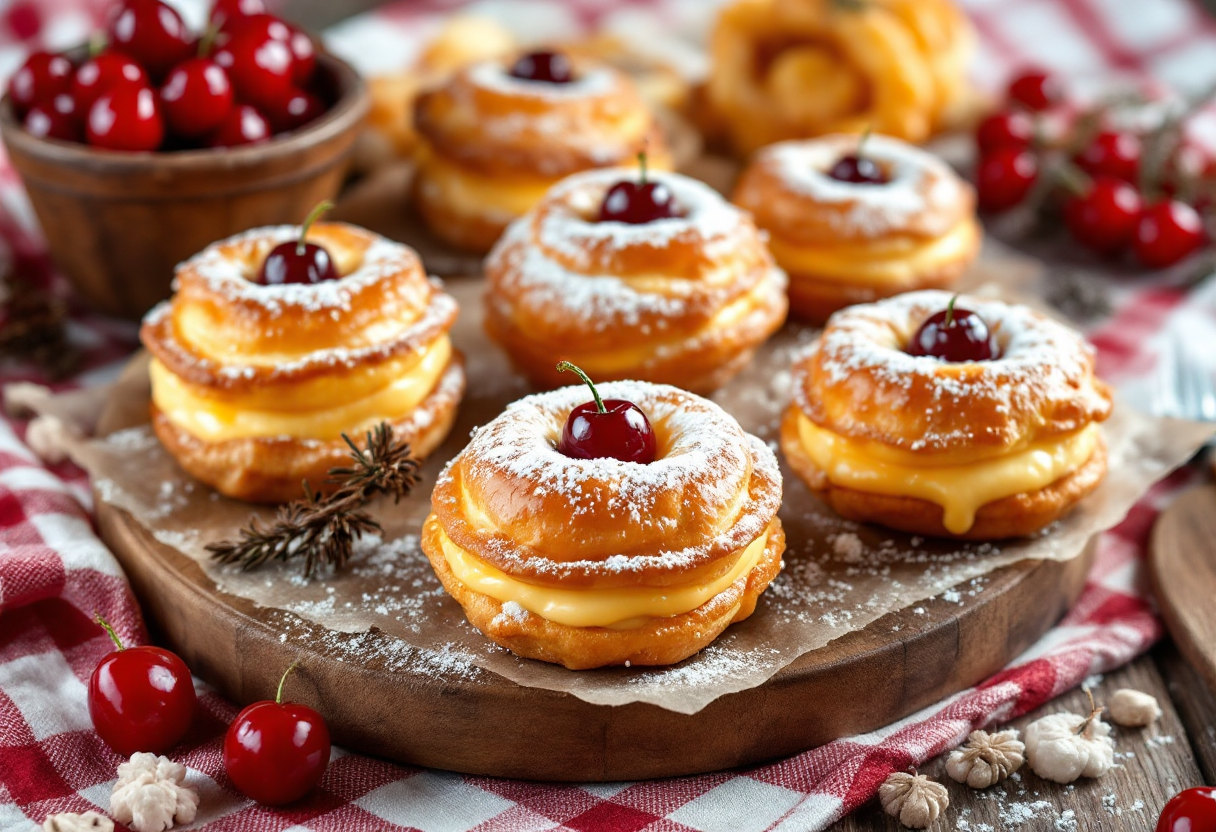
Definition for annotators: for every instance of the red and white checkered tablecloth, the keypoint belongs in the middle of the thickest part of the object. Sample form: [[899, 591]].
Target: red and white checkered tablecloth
[[54, 572]]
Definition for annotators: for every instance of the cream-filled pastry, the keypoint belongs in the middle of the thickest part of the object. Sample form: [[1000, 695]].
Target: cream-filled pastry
[[960, 418], [679, 291], [854, 219], [632, 536], [254, 380], [498, 134]]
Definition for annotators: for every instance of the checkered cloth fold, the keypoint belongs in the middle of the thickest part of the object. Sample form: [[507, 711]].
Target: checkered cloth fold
[[55, 574]]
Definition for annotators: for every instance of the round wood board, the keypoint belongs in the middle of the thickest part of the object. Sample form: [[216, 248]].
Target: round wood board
[[869, 678]]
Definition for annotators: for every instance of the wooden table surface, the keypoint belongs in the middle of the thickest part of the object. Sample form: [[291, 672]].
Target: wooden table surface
[[1152, 764]]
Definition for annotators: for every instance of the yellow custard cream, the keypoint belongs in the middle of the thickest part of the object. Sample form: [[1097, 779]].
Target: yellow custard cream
[[214, 420], [615, 607], [960, 489]]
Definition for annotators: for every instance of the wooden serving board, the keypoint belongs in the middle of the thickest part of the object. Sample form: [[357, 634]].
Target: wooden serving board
[[1182, 568]]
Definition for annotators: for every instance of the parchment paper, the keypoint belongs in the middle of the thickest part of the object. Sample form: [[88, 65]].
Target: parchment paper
[[838, 576]]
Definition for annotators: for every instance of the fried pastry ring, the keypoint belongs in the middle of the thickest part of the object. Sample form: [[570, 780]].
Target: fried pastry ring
[[972, 450], [492, 144], [843, 243], [245, 376], [589, 563], [792, 69], [684, 300]]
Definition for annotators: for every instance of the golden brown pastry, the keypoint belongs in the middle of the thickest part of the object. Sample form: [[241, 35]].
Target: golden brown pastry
[[792, 69], [978, 450], [492, 144], [253, 385], [684, 300], [595, 562], [845, 242]]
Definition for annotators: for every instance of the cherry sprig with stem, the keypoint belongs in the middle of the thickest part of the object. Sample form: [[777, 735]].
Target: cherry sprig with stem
[[606, 428], [299, 261], [641, 201]]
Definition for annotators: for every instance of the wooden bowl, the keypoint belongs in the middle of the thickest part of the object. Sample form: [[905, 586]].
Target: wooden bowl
[[118, 223]]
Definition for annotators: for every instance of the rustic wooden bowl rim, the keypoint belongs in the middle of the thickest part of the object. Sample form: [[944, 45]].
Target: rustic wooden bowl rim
[[347, 109]]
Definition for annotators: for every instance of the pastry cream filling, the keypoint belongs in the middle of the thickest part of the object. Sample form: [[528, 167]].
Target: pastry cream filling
[[869, 262], [480, 196], [614, 607], [959, 489], [213, 420]]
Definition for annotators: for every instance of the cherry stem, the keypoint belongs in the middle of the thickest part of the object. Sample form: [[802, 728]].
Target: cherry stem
[[208, 40], [321, 208], [861, 143], [97, 44], [949, 322], [641, 167], [563, 366], [278, 696], [1074, 180], [105, 625]]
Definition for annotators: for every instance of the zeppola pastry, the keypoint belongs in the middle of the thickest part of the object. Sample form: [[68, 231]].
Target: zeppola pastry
[[794, 69], [497, 135], [853, 219], [977, 423], [271, 349], [631, 530], [655, 279]]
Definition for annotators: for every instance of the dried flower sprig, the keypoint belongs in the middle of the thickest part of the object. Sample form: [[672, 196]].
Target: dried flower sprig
[[324, 528], [33, 328]]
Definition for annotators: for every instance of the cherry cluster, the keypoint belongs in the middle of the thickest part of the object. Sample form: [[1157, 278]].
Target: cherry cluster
[[1118, 189], [142, 699], [151, 84]]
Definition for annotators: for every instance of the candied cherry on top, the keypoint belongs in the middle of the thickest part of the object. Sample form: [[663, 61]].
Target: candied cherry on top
[[857, 168], [954, 335], [243, 125], [298, 261], [1191, 810], [606, 428], [1035, 90], [100, 73], [1012, 128], [639, 202], [140, 698], [127, 117], [1004, 178], [1112, 153], [58, 118], [1104, 217], [151, 32], [275, 752], [1166, 232], [225, 13], [545, 66], [197, 96], [259, 65], [39, 79]]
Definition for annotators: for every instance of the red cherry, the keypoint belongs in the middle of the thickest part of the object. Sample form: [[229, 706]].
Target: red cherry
[[243, 125], [126, 118], [58, 118], [549, 67], [224, 13], [1192, 810], [275, 752], [298, 109], [860, 170], [259, 66], [1112, 154], [101, 72], [40, 78], [305, 56], [1005, 177], [197, 97], [298, 261], [1035, 90], [1104, 217], [1166, 233], [1013, 128], [140, 698], [639, 202], [152, 33], [955, 335], [606, 428]]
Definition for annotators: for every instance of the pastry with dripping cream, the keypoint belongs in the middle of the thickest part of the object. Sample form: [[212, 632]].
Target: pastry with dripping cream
[[253, 385], [969, 449]]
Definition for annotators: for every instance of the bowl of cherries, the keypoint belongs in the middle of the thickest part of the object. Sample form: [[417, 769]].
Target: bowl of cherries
[[154, 141]]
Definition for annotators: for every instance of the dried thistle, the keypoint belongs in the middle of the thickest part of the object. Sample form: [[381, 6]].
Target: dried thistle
[[33, 328], [323, 529]]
